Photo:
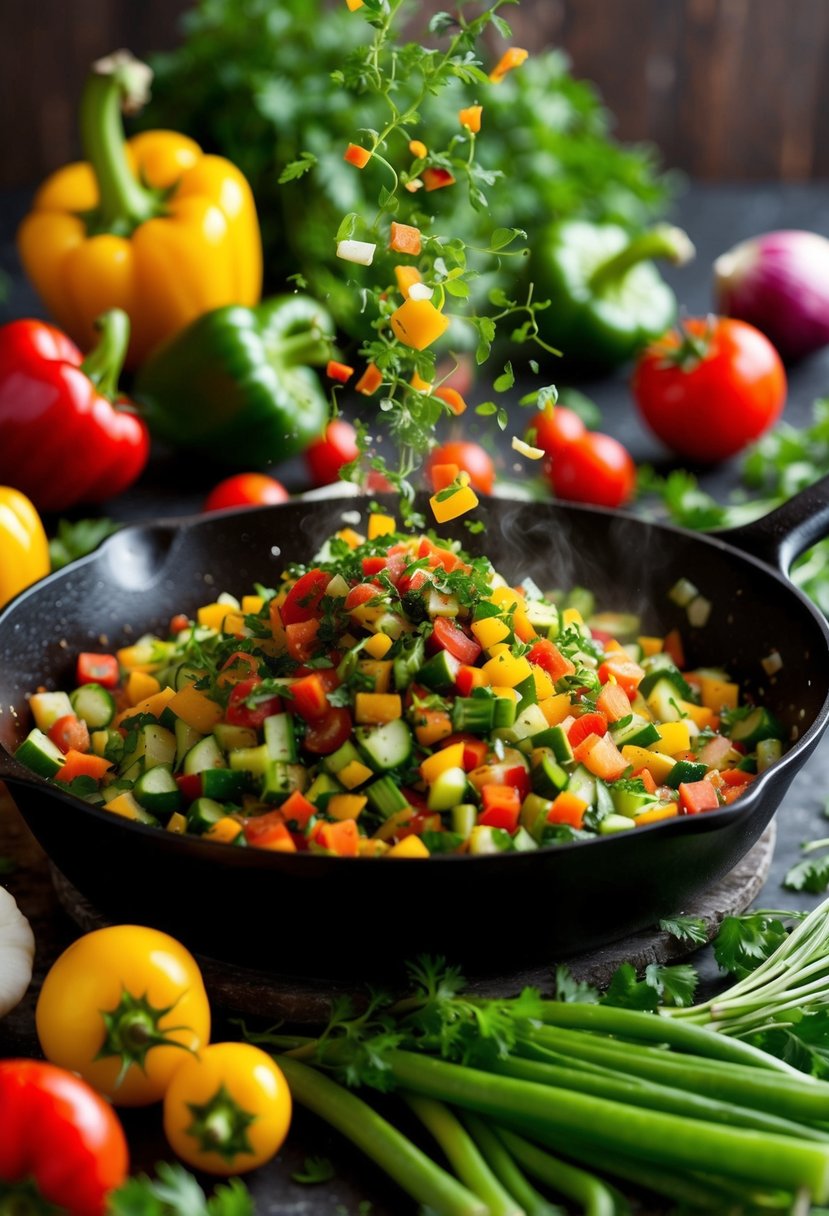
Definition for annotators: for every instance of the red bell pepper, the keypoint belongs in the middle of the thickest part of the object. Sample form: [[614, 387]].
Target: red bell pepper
[[57, 1132], [240, 713], [66, 436], [548, 656]]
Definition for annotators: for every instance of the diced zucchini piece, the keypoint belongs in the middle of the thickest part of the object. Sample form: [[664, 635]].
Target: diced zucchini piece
[[206, 754], [615, 823], [281, 779], [548, 777], [385, 747], [203, 813], [447, 790], [94, 704], [757, 725], [226, 784], [504, 713], [386, 797], [343, 756], [638, 731], [40, 754], [685, 771], [582, 783], [155, 745], [487, 840], [623, 626], [663, 700], [250, 759], [157, 791], [529, 723], [769, 752], [630, 802], [523, 842], [230, 737], [463, 818], [555, 737], [534, 812], [47, 707], [186, 739], [544, 618], [439, 672], [321, 789], [473, 714], [279, 737]]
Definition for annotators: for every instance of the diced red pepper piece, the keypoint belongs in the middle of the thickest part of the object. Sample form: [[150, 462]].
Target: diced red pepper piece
[[297, 809], [587, 724], [451, 637], [238, 713], [501, 807], [672, 645], [341, 838], [546, 654], [452, 398], [70, 733], [697, 796], [435, 178], [627, 674], [340, 372], [82, 764], [370, 380], [179, 623], [442, 475], [190, 786], [300, 639], [374, 564], [517, 776], [601, 756], [357, 156], [310, 700], [98, 669]]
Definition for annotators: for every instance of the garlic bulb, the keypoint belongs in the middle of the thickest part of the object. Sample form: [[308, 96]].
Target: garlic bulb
[[17, 952]]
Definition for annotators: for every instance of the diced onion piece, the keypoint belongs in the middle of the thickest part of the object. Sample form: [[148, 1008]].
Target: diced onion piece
[[337, 588], [419, 291], [226, 598], [361, 252], [699, 611], [772, 663], [526, 449], [682, 592]]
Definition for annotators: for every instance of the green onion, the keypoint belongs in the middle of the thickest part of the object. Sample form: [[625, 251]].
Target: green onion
[[595, 1198], [506, 1169]]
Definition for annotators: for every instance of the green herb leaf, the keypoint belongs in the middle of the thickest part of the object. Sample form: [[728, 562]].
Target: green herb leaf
[[74, 540], [506, 380], [314, 1170], [297, 168], [686, 929], [811, 875], [570, 989], [744, 942]]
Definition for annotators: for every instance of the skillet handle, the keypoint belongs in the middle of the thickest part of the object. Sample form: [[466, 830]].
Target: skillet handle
[[782, 535]]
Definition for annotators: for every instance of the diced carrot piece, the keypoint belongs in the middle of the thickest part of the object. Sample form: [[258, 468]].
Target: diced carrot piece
[[601, 756], [370, 380], [696, 796], [433, 725], [340, 372], [297, 809], [646, 777], [82, 764], [357, 156], [627, 674], [442, 475], [435, 178], [737, 776], [405, 238], [513, 58], [470, 117], [418, 148], [613, 702], [567, 808], [452, 398]]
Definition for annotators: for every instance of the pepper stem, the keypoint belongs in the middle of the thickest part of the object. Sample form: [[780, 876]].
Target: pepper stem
[[104, 362], [118, 82], [661, 241]]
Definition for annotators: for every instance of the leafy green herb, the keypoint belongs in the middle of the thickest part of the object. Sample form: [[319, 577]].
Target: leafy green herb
[[174, 1192], [660, 984], [314, 1170], [690, 929], [811, 875], [570, 989], [745, 941], [74, 540]]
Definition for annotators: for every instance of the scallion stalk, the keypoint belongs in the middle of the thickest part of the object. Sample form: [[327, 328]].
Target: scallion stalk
[[595, 1198], [503, 1164]]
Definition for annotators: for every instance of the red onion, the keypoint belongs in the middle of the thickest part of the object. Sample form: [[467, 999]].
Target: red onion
[[780, 283]]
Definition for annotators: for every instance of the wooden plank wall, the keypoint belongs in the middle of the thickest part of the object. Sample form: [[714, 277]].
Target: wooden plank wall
[[727, 88]]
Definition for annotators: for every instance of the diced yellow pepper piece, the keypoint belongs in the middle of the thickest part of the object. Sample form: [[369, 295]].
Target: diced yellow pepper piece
[[381, 525], [346, 806], [572, 616], [378, 670], [458, 503], [657, 763], [252, 604], [398, 820], [673, 737], [373, 708], [99, 741], [211, 616], [177, 823], [555, 709], [505, 597], [522, 626], [154, 705], [351, 538], [446, 758], [196, 709], [544, 686], [126, 806], [700, 714], [140, 685], [354, 774], [371, 847], [507, 669], [417, 323], [417, 382], [378, 646], [650, 645], [234, 622], [406, 277], [138, 657], [499, 648], [490, 630], [502, 691], [718, 694], [224, 830], [411, 846]]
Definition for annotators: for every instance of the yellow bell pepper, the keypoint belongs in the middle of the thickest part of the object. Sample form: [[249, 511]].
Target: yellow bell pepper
[[417, 323], [24, 550], [151, 225]]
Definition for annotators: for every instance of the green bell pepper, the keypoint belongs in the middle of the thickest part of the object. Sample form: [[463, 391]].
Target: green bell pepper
[[607, 299], [235, 385]]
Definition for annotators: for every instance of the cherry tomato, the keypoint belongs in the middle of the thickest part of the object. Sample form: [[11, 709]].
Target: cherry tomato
[[452, 638], [554, 428], [245, 490], [123, 1006], [302, 601], [471, 458], [57, 1131], [328, 733], [228, 1109], [327, 455], [98, 669], [710, 392], [239, 713], [594, 469]]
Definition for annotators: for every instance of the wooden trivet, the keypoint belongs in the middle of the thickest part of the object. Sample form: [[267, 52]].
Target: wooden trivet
[[308, 1001]]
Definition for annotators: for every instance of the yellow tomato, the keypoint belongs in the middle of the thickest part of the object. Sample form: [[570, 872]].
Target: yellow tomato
[[124, 1006], [228, 1109]]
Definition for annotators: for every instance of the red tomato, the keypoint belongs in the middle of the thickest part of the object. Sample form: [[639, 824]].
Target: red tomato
[[302, 601], [59, 1132], [69, 732], [245, 490], [556, 427], [708, 402], [471, 458], [252, 716], [327, 455], [328, 733], [594, 469], [453, 639]]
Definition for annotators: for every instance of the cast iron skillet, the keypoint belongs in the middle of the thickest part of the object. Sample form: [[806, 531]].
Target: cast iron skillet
[[328, 915]]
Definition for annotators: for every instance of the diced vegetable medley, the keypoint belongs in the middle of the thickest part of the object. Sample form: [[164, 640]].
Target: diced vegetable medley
[[397, 698]]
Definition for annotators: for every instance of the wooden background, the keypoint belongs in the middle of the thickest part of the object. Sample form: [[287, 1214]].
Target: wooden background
[[728, 89]]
